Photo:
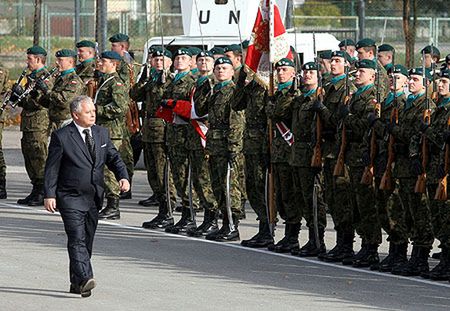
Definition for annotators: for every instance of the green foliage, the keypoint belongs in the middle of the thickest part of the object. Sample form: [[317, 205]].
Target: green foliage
[[318, 8]]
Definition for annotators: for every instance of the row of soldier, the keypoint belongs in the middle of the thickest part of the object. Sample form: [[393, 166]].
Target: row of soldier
[[362, 122]]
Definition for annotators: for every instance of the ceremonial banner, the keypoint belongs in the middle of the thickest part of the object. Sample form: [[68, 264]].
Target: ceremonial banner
[[268, 43]]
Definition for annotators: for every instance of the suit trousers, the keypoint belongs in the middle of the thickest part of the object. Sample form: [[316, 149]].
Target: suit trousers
[[80, 228]]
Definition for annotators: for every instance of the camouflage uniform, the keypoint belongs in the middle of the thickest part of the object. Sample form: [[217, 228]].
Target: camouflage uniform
[[66, 88], [4, 74], [85, 70], [34, 125], [112, 104]]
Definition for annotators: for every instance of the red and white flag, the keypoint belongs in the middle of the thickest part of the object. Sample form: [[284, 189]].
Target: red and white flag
[[268, 43]]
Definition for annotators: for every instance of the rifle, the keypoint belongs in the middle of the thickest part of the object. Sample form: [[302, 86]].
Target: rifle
[[367, 176], [92, 84], [441, 191], [426, 118], [11, 96], [386, 179], [316, 160], [132, 116], [13, 102], [340, 162]]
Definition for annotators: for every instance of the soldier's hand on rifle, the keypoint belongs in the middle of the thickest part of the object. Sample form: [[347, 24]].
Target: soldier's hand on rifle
[[372, 118], [241, 79], [365, 158], [168, 103], [416, 166], [41, 85], [343, 111], [441, 171], [17, 89], [317, 106], [423, 126]]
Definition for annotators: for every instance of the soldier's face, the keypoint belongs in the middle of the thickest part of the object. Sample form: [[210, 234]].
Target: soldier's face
[[193, 62], [337, 66], [33, 62], [350, 49], [363, 54], [216, 56], [400, 82], [65, 63], [182, 62], [236, 60], [161, 62], [86, 116], [428, 60], [85, 53], [415, 84], [223, 72], [384, 58], [309, 77], [205, 64], [364, 76], [118, 47], [325, 65], [107, 65], [285, 73], [443, 87]]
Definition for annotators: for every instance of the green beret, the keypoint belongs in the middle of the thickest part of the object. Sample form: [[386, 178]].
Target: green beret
[[325, 54], [310, 66], [119, 37], [399, 69], [36, 50], [205, 54], [111, 55], [386, 48], [159, 52], [245, 44], [431, 50], [217, 50], [153, 48], [233, 48], [66, 53], [419, 71], [366, 42], [182, 51], [223, 60], [285, 62], [194, 50], [342, 54], [445, 73], [366, 63], [85, 44], [346, 42]]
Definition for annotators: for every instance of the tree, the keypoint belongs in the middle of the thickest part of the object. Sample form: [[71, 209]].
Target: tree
[[409, 29]]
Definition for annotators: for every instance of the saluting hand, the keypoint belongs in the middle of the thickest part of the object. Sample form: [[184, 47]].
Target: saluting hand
[[124, 185], [50, 205]]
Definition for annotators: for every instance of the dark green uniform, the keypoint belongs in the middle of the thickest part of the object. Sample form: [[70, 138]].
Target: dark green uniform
[[4, 74], [85, 70]]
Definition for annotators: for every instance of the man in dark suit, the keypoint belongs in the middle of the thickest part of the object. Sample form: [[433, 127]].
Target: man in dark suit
[[74, 185]]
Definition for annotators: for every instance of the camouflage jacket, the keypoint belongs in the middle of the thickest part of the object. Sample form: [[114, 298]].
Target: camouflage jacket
[[225, 125], [4, 76], [123, 71], [303, 127], [435, 138], [58, 100], [407, 136], [150, 93], [253, 100], [86, 69], [34, 116], [112, 104], [357, 126], [384, 81]]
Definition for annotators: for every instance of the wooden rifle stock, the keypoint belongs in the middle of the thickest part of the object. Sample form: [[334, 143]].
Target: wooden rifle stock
[[441, 191], [422, 178], [316, 160], [386, 180], [340, 162], [132, 116]]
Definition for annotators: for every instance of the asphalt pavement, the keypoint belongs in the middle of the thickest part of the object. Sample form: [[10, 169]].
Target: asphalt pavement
[[139, 269]]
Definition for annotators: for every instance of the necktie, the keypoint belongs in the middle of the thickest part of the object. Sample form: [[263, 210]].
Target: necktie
[[90, 143]]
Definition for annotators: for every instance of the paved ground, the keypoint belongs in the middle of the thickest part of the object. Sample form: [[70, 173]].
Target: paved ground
[[140, 269]]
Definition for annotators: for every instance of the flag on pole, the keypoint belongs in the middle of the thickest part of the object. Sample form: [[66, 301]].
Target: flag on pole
[[268, 43]]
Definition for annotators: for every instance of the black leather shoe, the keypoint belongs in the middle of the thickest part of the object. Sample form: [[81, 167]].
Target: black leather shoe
[[214, 236], [368, 259], [74, 289], [151, 224], [86, 287], [230, 236], [27, 198], [151, 201], [125, 195], [37, 200], [111, 211]]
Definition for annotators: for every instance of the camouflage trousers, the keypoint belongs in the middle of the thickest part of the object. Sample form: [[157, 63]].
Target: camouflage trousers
[[304, 190], [418, 216], [201, 181], [255, 183], [126, 153], [336, 196], [155, 163], [365, 211], [34, 150], [218, 167], [179, 159], [440, 217], [112, 189], [391, 214], [2, 158]]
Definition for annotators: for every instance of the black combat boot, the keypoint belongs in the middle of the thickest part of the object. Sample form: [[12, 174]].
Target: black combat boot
[[264, 239], [387, 262], [231, 235], [150, 201], [417, 264], [255, 237], [28, 197], [185, 220], [125, 195], [400, 257], [283, 241], [310, 248], [208, 225], [347, 253], [162, 220], [334, 254], [442, 270], [217, 235], [368, 257], [3, 194], [38, 198], [290, 244], [111, 211]]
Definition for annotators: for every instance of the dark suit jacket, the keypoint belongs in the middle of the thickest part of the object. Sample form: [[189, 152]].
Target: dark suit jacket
[[70, 174]]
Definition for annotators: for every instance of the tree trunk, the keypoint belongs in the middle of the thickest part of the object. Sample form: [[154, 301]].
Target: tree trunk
[[409, 30], [37, 22]]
